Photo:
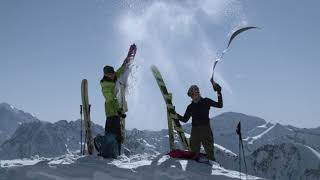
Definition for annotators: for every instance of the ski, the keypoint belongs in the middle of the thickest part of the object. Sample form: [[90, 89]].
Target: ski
[[171, 113], [122, 88], [86, 114]]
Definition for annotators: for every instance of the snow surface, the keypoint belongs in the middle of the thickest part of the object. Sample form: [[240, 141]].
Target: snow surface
[[163, 159], [313, 151], [263, 126], [225, 149], [260, 135], [217, 170], [183, 164], [65, 159], [19, 162], [133, 162], [187, 135], [146, 143], [141, 166]]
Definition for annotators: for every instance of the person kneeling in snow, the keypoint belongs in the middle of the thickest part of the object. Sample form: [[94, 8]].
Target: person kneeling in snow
[[201, 132]]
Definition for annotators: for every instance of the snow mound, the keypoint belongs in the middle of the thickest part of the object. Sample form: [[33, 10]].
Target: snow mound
[[65, 159], [135, 167]]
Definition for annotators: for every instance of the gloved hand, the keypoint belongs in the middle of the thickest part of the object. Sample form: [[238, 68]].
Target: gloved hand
[[122, 115], [216, 87], [132, 50], [177, 117]]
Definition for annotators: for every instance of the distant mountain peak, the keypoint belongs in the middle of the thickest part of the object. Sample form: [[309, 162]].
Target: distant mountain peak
[[11, 118], [236, 117], [232, 113], [10, 108]]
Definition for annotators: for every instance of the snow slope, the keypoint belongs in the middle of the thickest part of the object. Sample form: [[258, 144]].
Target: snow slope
[[96, 168]]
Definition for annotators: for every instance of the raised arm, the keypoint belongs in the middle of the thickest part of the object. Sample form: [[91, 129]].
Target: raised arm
[[130, 56], [217, 88]]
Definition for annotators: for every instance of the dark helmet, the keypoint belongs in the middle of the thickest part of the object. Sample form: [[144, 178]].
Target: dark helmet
[[108, 70]]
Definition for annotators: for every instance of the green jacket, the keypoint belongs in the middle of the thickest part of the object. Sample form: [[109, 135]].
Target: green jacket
[[109, 92]]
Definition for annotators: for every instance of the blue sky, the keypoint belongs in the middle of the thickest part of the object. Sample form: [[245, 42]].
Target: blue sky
[[48, 47]]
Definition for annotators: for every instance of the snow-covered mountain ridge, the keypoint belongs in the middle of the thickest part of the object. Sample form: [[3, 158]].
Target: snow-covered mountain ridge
[[273, 151], [257, 132]]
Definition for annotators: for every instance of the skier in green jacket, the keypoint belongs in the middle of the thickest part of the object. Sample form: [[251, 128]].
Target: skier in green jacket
[[108, 86], [201, 132]]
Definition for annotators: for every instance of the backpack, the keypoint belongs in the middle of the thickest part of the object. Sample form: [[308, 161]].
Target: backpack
[[107, 145]]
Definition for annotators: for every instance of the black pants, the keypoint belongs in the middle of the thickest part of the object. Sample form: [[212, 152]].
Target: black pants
[[202, 135], [113, 126]]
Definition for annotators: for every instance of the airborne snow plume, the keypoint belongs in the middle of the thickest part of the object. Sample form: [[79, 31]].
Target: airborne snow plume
[[181, 38]]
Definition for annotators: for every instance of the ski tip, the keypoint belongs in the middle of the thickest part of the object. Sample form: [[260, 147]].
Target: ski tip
[[153, 67], [84, 80]]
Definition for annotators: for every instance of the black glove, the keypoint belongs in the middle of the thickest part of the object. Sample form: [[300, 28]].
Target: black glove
[[131, 53], [132, 50], [177, 118], [216, 87], [176, 121], [122, 115]]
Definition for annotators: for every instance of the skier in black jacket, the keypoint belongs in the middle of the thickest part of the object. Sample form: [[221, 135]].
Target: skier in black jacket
[[201, 132]]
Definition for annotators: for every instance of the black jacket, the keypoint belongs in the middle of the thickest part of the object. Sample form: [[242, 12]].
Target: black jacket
[[200, 111]]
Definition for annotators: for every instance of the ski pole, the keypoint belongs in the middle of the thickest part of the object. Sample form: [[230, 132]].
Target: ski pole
[[239, 159], [238, 131], [81, 129], [84, 144], [244, 158]]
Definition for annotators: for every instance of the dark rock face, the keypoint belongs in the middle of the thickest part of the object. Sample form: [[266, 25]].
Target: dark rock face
[[44, 139], [10, 119]]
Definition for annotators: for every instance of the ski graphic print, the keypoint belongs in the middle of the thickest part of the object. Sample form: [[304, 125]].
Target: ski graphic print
[[86, 113], [171, 113]]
